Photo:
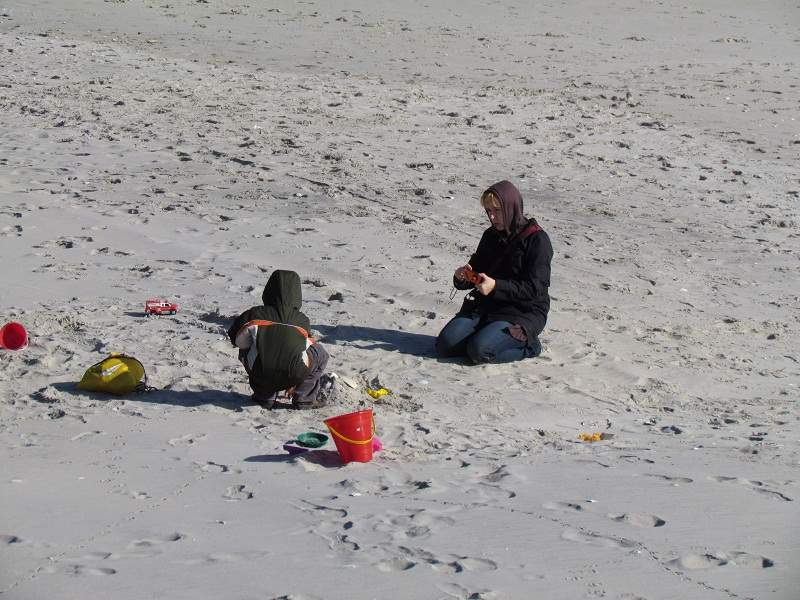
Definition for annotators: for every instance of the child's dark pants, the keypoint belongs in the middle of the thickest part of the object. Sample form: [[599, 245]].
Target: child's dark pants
[[305, 394]]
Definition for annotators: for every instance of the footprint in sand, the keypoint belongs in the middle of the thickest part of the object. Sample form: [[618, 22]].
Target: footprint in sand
[[673, 480], [596, 539], [328, 512], [415, 524], [404, 526], [76, 567], [11, 230], [411, 557], [477, 565], [638, 519], [136, 495], [212, 467], [454, 590], [756, 486], [187, 440], [79, 570], [395, 564], [332, 528], [493, 485], [448, 568], [635, 519], [224, 557], [7, 540], [693, 562], [563, 506], [413, 486], [90, 556], [489, 492], [237, 492], [588, 353], [156, 541]]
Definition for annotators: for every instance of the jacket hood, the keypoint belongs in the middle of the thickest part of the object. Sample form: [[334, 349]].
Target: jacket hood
[[511, 201], [283, 292]]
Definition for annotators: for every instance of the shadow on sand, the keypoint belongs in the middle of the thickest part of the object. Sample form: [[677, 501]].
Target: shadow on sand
[[371, 338], [329, 459], [187, 398]]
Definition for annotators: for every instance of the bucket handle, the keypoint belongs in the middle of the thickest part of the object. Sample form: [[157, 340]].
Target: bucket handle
[[357, 442]]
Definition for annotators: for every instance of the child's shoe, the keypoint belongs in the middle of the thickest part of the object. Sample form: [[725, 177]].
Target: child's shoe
[[265, 400]]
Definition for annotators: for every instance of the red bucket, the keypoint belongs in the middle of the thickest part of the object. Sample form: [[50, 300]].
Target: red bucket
[[352, 434], [13, 336]]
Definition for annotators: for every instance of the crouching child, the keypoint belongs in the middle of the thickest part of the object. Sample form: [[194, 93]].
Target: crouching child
[[277, 350]]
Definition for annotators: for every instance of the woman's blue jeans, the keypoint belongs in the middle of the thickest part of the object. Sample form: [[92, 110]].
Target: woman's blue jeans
[[491, 343]]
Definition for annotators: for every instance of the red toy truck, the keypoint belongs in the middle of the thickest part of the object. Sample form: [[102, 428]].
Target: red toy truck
[[155, 306]]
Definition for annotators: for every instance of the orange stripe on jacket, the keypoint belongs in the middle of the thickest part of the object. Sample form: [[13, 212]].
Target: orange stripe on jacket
[[247, 342], [268, 323]]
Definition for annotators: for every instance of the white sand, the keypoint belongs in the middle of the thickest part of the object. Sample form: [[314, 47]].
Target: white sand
[[186, 148]]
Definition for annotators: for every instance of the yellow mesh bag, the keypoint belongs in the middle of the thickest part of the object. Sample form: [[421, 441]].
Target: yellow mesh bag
[[118, 374]]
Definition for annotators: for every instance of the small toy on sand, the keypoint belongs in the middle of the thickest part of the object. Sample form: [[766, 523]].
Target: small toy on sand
[[157, 306], [305, 442], [595, 437], [378, 393], [13, 336], [312, 439]]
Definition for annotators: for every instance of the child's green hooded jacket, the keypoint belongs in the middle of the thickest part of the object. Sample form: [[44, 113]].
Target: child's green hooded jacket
[[273, 338]]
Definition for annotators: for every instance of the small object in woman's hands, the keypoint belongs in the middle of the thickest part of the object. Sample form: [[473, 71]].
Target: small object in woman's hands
[[472, 276]]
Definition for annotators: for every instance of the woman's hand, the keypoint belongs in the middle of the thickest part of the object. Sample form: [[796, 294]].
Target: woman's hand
[[460, 273], [518, 333], [486, 286]]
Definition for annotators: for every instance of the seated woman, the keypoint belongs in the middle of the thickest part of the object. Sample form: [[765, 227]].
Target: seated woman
[[503, 315]]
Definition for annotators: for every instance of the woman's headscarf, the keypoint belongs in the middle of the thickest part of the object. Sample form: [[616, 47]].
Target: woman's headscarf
[[511, 203]]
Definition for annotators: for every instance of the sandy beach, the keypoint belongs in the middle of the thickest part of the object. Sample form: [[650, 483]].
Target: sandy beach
[[185, 149]]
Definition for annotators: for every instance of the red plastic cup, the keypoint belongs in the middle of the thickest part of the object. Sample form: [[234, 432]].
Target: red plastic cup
[[13, 336]]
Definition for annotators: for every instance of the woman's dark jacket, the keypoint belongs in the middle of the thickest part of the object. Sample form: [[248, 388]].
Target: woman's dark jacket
[[522, 277]]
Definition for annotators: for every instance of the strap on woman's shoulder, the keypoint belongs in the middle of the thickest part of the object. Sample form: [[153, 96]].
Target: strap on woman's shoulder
[[528, 230]]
